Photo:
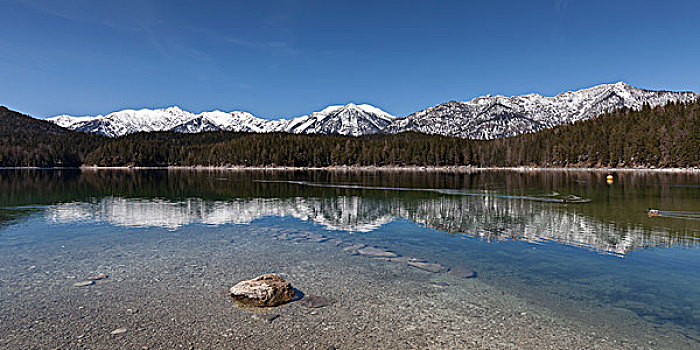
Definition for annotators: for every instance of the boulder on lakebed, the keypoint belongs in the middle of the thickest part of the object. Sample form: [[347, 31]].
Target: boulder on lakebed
[[263, 291]]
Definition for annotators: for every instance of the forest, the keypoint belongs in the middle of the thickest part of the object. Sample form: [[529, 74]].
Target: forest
[[666, 136]]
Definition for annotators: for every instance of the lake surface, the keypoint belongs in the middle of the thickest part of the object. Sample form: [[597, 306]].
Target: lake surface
[[558, 258]]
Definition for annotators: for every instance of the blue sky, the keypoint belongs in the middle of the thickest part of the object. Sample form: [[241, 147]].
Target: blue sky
[[288, 58]]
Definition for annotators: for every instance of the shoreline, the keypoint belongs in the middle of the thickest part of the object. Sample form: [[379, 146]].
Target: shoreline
[[442, 169]]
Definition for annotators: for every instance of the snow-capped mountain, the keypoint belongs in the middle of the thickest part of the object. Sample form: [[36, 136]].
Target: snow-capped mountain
[[68, 121], [126, 121], [485, 117], [490, 117], [351, 119], [232, 121]]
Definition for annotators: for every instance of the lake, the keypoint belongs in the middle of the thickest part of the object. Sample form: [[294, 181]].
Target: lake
[[398, 259]]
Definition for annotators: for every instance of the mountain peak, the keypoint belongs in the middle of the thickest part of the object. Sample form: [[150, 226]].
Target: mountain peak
[[173, 109], [489, 117], [349, 119], [620, 85]]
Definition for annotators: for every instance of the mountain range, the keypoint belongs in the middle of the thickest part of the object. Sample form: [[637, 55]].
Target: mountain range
[[350, 119], [486, 117]]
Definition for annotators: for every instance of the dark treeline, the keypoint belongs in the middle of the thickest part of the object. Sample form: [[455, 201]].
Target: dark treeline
[[666, 136], [25, 141]]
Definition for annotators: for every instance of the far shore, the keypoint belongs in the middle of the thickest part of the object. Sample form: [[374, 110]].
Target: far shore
[[455, 169]]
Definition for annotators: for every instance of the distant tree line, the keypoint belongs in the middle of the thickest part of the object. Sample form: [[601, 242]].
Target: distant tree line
[[667, 136]]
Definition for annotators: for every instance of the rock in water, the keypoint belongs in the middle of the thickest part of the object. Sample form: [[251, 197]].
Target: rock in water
[[352, 248], [118, 331], [426, 266], [263, 291], [99, 276], [83, 283], [376, 252], [463, 272]]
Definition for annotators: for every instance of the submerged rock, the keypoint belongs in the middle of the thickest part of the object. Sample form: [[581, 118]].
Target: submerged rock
[[353, 248], [336, 241], [315, 237], [426, 266], [99, 276], [376, 252], [118, 331], [303, 236], [463, 272], [263, 291], [83, 283]]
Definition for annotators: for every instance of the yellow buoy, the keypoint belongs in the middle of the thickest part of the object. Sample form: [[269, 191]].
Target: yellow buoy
[[609, 179]]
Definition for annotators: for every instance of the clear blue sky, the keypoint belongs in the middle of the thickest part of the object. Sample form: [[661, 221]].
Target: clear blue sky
[[288, 58]]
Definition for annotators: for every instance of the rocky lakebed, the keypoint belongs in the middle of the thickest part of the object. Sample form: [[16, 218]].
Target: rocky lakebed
[[151, 288]]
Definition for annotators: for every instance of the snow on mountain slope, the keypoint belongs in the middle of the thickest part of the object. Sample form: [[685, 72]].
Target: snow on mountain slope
[[485, 117], [351, 119], [127, 121], [490, 117], [233, 121], [67, 121]]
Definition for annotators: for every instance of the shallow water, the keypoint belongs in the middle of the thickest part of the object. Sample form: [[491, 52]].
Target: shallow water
[[561, 242]]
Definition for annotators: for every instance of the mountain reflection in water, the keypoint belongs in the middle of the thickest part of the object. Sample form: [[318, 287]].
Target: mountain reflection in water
[[613, 222], [482, 217]]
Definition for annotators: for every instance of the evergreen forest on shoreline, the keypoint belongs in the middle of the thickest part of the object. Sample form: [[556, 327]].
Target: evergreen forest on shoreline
[[661, 137]]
